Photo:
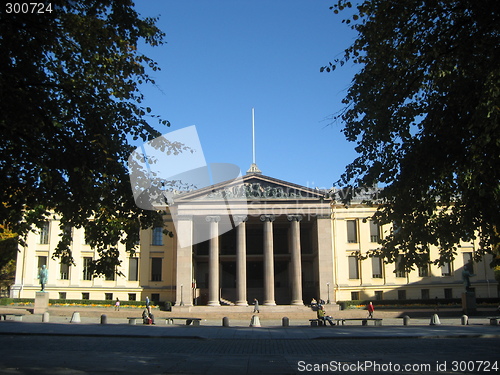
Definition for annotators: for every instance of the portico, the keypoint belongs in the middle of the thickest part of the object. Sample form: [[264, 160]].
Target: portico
[[255, 240]]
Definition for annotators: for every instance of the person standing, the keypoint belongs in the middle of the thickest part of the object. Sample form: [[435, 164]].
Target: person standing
[[148, 304], [256, 305], [117, 304], [370, 309]]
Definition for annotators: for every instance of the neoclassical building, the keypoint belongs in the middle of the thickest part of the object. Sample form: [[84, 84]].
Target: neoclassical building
[[258, 237]]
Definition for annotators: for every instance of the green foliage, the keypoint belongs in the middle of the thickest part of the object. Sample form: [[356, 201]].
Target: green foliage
[[71, 101], [424, 111]]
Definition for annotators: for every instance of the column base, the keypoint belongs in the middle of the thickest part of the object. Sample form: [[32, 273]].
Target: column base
[[241, 303], [269, 303], [297, 302], [213, 303]]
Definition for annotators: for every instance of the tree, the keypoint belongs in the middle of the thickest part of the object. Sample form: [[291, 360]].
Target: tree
[[424, 112], [70, 107]]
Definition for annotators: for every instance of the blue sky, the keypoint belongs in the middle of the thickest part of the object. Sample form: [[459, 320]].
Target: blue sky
[[224, 57]]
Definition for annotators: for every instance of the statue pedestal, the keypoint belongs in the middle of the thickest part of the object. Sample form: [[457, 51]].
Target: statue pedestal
[[41, 302], [469, 303]]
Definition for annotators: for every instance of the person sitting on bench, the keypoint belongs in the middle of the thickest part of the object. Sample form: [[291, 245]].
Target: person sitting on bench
[[322, 316]]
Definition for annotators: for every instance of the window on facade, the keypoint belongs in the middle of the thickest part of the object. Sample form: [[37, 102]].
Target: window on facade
[[69, 231], [400, 272], [376, 267], [62, 295], [64, 271], [157, 239], [132, 297], [379, 295], [353, 267], [425, 294], [401, 294], [42, 261], [86, 296], [448, 293], [354, 296], [155, 297], [446, 269], [374, 231], [352, 234], [110, 276], [87, 274], [156, 269], [468, 258], [108, 296], [133, 269], [423, 271], [44, 233]]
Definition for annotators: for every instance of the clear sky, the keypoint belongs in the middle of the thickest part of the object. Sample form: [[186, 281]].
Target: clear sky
[[224, 57]]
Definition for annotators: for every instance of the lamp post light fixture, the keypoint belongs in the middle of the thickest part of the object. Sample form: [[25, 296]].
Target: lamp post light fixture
[[182, 302], [328, 287]]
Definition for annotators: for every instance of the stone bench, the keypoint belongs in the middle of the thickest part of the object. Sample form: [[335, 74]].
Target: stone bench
[[17, 317], [494, 320], [133, 320], [195, 321], [364, 321], [317, 322]]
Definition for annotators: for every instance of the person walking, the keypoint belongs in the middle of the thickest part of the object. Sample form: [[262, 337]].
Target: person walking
[[256, 305], [370, 309]]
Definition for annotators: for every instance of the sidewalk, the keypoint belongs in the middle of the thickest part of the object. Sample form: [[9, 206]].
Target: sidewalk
[[271, 326]]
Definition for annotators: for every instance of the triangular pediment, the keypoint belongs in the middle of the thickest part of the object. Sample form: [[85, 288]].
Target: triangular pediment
[[253, 187]]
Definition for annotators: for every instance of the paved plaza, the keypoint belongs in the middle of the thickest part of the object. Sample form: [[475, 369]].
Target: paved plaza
[[61, 347]]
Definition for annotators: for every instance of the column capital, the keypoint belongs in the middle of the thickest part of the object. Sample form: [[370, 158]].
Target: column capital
[[267, 218], [240, 218], [294, 217], [212, 219]]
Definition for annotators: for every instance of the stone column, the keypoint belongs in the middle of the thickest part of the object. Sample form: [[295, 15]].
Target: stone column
[[213, 262], [296, 274], [268, 260], [241, 261], [184, 274]]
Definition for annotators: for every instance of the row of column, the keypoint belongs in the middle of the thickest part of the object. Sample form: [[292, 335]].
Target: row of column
[[241, 267]]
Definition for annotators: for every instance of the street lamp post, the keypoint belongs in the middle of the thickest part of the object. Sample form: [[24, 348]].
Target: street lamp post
[[182, 302], [328, 287]]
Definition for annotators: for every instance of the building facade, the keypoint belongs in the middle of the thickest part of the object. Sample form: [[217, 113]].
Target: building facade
[[262, 238]]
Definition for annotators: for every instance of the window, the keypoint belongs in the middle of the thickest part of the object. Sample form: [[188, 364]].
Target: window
[[379, 295], [108, 296], [156, 269], [132, 297], [352, 234], [62, 295], [376, 267], [400, 272], [133, 268], [44, 233], [374, 231], [468, 261], [448, 293], [155, 297], [87, 273], [64, 271], [157, 239], [353, 267], [42, 261], [86, 296], [354, 296], [423, 271], [401, 294], [425, 294], [446, 269], [110, 275]]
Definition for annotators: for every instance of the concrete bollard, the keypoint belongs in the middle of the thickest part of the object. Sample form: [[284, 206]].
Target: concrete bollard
[[465, 320], [75, 318], [435, 320], [285, 322], [255, 322], [104, 319], [45, 317], [225, 321], [406, 320]]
